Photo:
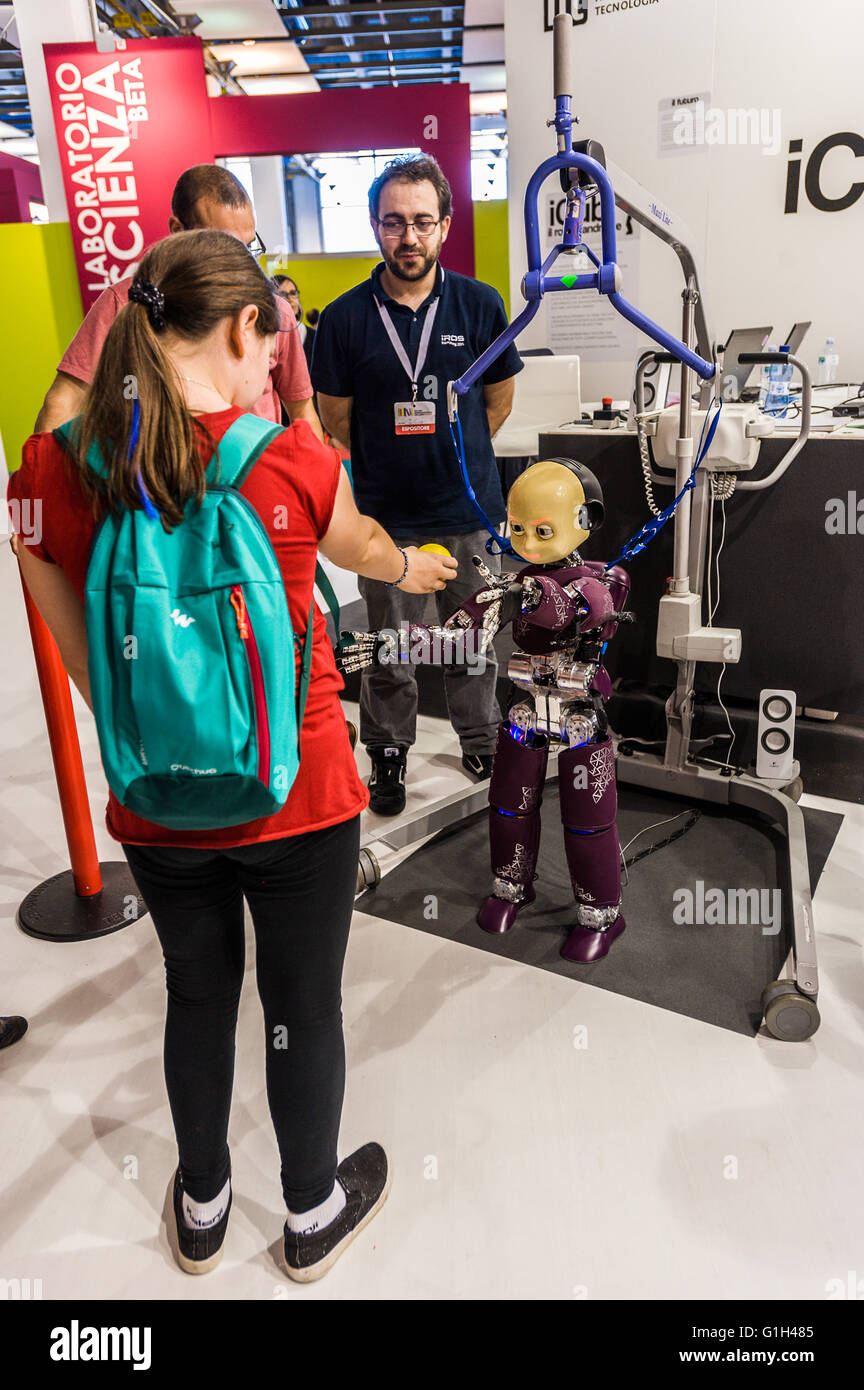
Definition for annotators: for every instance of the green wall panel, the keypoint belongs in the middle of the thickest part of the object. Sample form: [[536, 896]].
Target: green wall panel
[[41, 312]]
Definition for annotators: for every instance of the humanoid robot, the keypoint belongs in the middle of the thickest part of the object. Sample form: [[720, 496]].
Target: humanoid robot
[[564, 611]]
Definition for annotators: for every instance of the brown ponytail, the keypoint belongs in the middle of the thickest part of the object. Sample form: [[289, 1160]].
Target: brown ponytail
[[201, 278]]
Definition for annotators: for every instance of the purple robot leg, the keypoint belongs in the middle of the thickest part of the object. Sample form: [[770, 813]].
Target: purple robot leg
[[589, 804], [515, 794]]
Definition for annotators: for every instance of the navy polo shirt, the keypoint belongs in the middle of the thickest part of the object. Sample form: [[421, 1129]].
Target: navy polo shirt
[[411, 484]]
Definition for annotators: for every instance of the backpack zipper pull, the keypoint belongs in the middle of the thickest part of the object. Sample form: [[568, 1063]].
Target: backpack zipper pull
[[238, 603]]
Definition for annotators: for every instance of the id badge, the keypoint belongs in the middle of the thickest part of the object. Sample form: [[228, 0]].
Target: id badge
[[415, 417]]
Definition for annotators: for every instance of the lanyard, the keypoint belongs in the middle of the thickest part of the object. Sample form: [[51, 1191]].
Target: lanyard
[[413, 372]]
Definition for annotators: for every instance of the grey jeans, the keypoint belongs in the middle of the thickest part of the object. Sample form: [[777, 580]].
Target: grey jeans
[[388, 694]]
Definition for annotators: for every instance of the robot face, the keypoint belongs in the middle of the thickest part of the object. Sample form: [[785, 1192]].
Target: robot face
[[547, 511]]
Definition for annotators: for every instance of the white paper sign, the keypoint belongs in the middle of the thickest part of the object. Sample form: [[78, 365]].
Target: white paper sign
[[681, 123], [583, 321]]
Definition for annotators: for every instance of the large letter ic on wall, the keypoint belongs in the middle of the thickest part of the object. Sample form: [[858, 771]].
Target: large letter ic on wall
[[812, 177]]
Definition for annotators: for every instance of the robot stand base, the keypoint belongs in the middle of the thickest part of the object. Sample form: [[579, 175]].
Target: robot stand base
[[789, 1004]]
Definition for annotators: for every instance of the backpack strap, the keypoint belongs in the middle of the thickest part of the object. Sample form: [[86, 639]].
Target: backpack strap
[[326, 589], [241, 446], [331, 600], [68, 434], [305, 669]]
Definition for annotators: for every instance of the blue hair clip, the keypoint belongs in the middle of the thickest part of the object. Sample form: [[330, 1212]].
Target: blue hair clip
[[151, 511]]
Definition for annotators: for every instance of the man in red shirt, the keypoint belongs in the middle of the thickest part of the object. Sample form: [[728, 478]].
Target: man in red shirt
[[204, 196]]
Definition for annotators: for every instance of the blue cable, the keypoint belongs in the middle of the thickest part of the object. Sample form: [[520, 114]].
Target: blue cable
[[646, 533], [503, 546]]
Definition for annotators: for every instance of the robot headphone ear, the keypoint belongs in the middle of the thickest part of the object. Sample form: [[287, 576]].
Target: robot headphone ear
[[592, 514]]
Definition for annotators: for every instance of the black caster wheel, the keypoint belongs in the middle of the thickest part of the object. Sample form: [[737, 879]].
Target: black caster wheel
[[368, 872], [352, 732], [789, 1015]]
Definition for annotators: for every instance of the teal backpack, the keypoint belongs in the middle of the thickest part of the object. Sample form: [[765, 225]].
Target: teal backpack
[[192, 656]]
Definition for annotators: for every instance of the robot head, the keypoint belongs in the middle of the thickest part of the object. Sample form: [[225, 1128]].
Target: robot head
[[552, 508]]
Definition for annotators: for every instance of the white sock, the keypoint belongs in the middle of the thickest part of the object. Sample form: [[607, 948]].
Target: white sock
[[203, 1215], [305, 1222]]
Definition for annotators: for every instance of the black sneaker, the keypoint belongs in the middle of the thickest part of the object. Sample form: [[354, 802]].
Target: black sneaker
[[198, 1250], [478, 764], [12, 1028], [365, 1177], [387, 783]]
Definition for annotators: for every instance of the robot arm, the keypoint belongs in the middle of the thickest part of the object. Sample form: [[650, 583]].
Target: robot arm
[[549, 604], [485, 612], [598, 606], [490, 608], [556, 606]]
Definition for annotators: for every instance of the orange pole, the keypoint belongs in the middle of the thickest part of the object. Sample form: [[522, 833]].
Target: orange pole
[[66, 753]]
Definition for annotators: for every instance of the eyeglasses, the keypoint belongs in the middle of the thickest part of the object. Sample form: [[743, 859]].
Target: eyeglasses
[[255, 247], [397, 226]]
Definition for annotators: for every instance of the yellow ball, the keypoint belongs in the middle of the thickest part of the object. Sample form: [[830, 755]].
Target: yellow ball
[[435, 548]]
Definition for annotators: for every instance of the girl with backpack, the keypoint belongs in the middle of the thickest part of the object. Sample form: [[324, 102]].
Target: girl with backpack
[[190, 530]]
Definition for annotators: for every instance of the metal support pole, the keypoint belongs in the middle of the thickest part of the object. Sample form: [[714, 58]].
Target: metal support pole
[[679, 706], [90, 899]]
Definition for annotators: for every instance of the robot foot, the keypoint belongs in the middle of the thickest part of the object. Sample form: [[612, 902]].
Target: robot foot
[[586, 944], [497, 915]]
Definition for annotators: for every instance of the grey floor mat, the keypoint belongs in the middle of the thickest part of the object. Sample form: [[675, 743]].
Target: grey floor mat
[[710, 972]]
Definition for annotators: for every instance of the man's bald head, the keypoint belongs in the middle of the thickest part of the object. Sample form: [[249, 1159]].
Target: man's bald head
[[211, 197]]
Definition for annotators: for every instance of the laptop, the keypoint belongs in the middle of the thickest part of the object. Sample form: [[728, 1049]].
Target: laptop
[[735, 374], [796, 337]]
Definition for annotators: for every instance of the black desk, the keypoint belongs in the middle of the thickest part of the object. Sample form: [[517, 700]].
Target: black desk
[[795, 591]]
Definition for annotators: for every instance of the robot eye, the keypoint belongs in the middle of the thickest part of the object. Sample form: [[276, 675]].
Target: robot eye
[[545, 533]]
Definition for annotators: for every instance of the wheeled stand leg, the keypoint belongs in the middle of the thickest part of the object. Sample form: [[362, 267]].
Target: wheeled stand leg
[[589, 805], [515, 795], [790, 1009]]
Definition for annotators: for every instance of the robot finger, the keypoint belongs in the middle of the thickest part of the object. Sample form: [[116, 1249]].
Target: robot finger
[[493, 580]]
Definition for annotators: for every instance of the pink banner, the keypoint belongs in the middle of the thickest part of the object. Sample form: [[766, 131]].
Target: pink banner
[[128, 123]]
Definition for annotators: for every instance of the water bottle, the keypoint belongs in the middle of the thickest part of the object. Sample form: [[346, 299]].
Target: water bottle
[[779, 398], [765, 377], [829, 364]]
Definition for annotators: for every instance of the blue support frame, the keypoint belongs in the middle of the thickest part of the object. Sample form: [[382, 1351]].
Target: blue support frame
[[606, 280]]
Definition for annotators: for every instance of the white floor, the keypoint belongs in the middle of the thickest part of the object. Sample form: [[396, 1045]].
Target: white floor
[[666, 1159]]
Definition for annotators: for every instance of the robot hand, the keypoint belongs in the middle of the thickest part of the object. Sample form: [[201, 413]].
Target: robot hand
[[491, 608], [360, 653]]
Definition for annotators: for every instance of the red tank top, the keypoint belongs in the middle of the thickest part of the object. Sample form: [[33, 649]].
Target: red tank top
[[293, 489]]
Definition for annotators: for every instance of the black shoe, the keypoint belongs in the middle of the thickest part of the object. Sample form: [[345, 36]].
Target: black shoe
[[387, 783], [365, 1177], [11, 1029], [198, 1251], [478, 764]]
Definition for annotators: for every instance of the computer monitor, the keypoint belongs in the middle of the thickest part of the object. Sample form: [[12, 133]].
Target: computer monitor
[[796, 336], [735, 374]]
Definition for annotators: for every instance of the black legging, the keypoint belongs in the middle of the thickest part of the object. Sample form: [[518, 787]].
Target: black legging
[[300, 892]]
